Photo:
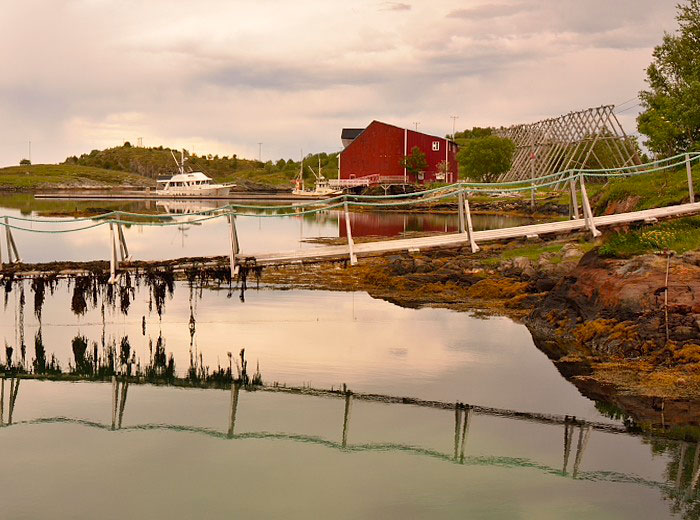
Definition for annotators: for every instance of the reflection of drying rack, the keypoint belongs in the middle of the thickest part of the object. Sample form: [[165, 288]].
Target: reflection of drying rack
[[463, 416]]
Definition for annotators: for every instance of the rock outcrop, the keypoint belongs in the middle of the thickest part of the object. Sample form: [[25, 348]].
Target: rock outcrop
[[621, 308]]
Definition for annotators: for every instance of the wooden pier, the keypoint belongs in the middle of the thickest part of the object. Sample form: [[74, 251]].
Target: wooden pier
[[317, 254]]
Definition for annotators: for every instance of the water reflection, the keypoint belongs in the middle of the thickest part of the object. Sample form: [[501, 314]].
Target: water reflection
[[677, 476], [87, 327], [391, 224]]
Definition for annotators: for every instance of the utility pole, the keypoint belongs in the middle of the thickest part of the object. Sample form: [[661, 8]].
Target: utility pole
[[416, 123], [454, 124], [532, 177], [260, 152], [30, 151]]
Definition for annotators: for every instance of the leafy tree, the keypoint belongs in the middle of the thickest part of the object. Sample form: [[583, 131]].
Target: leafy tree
[[416, 162], [671, 117], [474, 133], [484, 158], [25, 162]]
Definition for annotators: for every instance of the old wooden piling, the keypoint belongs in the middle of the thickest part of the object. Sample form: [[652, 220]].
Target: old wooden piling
[[235, 389]]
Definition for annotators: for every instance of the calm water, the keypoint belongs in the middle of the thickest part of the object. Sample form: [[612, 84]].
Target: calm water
[[172, 457], [263, 233], [175, 456]]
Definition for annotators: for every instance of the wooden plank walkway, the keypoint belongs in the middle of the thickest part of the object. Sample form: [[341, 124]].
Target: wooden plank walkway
[[322, 253]]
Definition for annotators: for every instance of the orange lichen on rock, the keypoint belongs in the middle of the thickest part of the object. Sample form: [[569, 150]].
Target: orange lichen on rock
[[497, 289]]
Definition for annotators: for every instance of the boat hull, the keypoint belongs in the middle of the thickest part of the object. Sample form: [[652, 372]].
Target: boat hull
[[213, 191]]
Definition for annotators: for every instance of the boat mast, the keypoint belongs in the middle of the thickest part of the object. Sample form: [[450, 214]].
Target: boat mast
[[301, 168]]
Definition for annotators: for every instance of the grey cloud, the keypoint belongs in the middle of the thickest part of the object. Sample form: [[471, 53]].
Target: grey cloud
[[487, 11], [394, 6], [476, 61]]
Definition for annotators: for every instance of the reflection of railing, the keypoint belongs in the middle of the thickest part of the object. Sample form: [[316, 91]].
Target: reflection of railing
[[463, 416]]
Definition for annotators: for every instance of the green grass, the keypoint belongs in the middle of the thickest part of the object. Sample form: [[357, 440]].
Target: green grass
[[533, 252], [52, 175], [274, 179], [654, 190], [678, 235]]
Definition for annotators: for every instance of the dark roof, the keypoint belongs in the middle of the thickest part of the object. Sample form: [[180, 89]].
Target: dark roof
[[351, 133]]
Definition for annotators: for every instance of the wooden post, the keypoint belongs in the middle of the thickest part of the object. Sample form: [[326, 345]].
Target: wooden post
[[458, 423], [681, 463], [124, 251], [113, 262], [13, 397], [574, 200], [351, 244], [115, 390], [568, 434], [689, 169], [696, 469], [235, 388], [2, 400], [346, 417], [234, 244], [470, 229], [460, 208], [581, 447], [587, 213], [11, 246], [122, 402], [465, 432]]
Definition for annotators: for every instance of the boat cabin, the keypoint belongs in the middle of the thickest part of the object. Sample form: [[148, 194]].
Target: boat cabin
[[186, 180]]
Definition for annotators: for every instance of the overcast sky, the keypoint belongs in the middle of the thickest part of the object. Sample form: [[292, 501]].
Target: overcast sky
[[219, 76]]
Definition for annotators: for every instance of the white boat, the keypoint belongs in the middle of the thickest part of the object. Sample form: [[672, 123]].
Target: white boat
[[322, 188], [191, 184]]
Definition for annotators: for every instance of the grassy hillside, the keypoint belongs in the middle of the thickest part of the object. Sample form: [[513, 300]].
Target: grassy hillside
[[155, 162], [61, 175], [646, 191]]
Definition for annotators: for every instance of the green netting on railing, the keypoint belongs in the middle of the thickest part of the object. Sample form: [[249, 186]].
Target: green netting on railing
[[316, 206]]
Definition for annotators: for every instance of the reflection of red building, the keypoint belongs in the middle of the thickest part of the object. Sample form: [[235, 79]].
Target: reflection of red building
[[380, 148], [393, 224]]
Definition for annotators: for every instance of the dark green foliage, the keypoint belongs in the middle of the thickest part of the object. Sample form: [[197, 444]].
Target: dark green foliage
[[25, 162], [162, 366], [42, 365], [416, 162], [83, 360], [671, 117], [474, 133], [158, 161], [484, 158]]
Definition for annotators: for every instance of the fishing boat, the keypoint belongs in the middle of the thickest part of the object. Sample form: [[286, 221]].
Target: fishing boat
[[321, 189], [191, 183]]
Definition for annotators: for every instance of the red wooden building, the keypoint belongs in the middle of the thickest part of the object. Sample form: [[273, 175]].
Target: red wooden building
[[377, 151]]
